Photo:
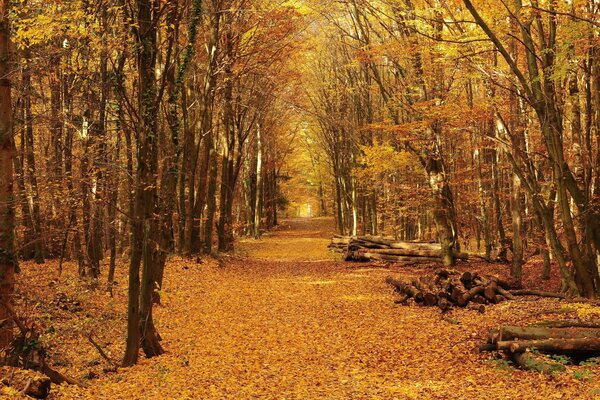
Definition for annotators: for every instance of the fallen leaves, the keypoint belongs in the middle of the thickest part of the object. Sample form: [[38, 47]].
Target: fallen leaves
[[277, 329]]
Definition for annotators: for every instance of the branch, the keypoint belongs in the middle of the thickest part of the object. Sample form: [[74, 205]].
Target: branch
[[507, 57]]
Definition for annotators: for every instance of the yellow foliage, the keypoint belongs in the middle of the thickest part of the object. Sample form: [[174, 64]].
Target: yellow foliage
[[381, 161]]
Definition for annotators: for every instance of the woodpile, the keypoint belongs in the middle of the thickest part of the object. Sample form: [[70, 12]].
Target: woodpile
[[447, 288], [368, 248], [573, 340]]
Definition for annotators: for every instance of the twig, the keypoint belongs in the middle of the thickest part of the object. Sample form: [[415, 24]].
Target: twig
[[15, 318], [59, 378], [26, 388], [100, 351]]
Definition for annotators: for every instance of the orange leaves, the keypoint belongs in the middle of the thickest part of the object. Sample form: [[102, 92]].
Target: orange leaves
[[379, 161], [280, 324]]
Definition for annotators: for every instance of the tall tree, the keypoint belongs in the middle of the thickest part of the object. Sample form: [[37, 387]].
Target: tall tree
[[8, 258], [144, 227]]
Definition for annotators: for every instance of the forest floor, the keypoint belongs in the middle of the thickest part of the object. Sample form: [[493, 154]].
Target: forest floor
[[284, 319]]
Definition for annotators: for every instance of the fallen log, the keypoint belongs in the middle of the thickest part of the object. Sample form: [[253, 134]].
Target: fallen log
[[406, 259], [365, 248], [568, 323], [490, 291], [415, 246], [525, 345], [553, 346], [414, 253], [401, 287], [531, 362], [539, 293], [468, 296], [508, 333], [506, 293]]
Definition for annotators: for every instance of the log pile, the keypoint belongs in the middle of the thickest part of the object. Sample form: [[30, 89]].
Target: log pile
[[369, 248], [447, 288], [572, 339]]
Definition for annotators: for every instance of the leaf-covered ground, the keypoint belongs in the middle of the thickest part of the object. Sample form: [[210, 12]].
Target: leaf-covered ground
[[285, 320]]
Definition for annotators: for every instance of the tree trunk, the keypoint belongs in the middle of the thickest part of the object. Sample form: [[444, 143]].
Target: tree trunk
[[517, 226], [8, 258], [211, 202], [443, 206], [258, 192], [145, 232], [483, 208], [31, 165], [113, 199], [27, 248], [224, 227]]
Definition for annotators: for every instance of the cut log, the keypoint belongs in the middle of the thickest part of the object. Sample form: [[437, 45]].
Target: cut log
[[354, 255], [540, 293], [480, 308], [504, 284], [444, 304], [401, 287], [364, 248], [466, 277], [531, 362], [490, 292], [430, 299], [443, 273], [553, 346], [466, 297], [569, 323], [499, 299], [508, 295], [413, 253], [488, 347], [415, 246], [405, 259], [508, 333], [455, 288]]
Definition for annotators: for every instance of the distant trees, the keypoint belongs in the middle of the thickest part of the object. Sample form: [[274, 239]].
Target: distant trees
[[496, 105], [397, 88]]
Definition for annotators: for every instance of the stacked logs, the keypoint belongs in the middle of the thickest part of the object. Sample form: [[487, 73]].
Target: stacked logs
[[368, 248], [578, 340], [446, 288]]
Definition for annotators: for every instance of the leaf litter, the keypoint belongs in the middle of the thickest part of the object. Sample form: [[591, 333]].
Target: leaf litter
[[261, 326]]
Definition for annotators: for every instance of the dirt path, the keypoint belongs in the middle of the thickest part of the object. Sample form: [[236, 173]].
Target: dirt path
[[270, 326]]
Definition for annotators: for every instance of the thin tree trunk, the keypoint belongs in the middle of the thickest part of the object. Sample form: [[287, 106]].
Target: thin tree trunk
[[211, 202], [517, 226], [31, 165], [258, 193], [27, 248], [483, 207]]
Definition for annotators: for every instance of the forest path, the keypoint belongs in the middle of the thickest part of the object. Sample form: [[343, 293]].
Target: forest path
[[278, 323]]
